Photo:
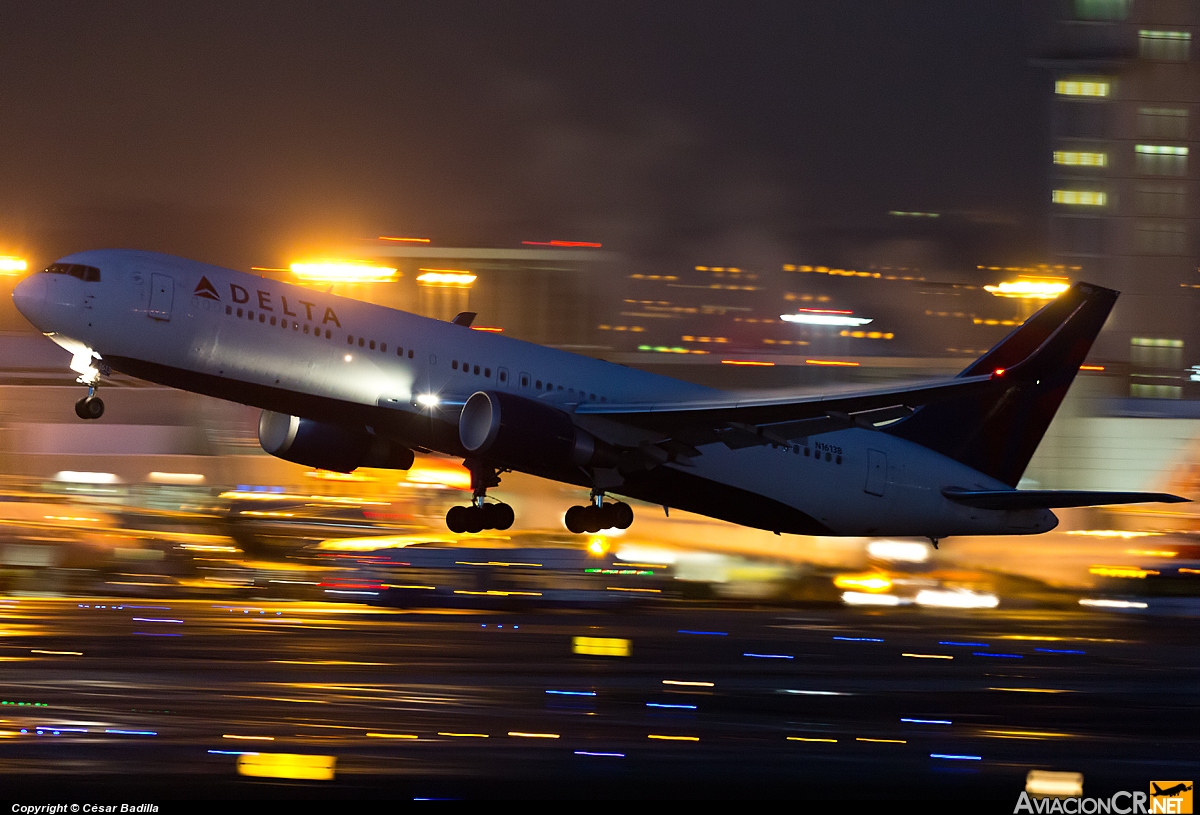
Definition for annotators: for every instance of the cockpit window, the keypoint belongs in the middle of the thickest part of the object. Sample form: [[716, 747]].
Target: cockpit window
[[88, 274]]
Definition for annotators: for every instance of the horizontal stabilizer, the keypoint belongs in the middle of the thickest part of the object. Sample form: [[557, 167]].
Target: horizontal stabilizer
[[1053, 499]]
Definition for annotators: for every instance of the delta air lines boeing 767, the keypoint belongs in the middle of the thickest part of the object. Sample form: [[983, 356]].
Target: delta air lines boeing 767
[[345, 384]]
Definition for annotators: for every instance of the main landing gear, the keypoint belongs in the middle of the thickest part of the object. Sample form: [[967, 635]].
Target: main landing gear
[[599, 515], [90, 406], [480, 515]]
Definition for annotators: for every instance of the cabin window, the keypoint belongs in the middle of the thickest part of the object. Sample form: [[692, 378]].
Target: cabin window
[[410, 353], [399, 351], [454, 364], [807, 452], [262, 318], [250, 314], [538, 384], [306, 328], [229, 309], [476, 370], [560, 387], [839, 459], [328, 334], [372, 344], [350, 339], [383, 347], [273, 321], [361, 342], [487, 372], [503, 376], [591, 397], [239, 312], [524, 380], [828, 457]]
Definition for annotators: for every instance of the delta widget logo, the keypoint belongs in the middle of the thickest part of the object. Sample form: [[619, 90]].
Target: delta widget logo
[[206, 290]]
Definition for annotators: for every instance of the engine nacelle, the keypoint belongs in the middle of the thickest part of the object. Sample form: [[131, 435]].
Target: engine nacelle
[[524, 432], [328, 446]]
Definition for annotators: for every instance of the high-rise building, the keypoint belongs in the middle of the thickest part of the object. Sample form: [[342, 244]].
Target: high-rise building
[[1124, 83]]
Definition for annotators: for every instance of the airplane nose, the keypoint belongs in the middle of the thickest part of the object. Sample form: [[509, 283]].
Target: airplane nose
[[29, 295]]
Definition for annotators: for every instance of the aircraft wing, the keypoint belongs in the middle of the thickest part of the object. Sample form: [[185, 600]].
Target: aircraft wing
[[1054, 499], [744, 422]]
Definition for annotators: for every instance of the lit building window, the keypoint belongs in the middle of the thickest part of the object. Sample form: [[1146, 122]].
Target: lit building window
[[1101, 9], [1071, 158], [1085, 198], [1081, 87], [1162, 123], [1161, 159], [1169, 46]]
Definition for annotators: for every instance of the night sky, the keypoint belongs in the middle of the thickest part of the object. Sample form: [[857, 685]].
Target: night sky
[[693, 131]]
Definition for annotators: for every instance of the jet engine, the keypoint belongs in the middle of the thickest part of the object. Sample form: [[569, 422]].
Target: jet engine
[[328, 446], [523, 433]]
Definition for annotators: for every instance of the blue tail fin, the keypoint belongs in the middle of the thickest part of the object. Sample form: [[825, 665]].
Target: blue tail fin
[[998, 431]]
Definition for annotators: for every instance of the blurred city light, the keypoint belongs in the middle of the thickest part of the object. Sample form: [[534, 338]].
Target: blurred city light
[[342, 271], [297, 766], [445, 277], [601, 646], [1049, 783], [872, 582], [565, 244], [1029, 289], [820, 316], [1102, 603], [83, 477], [904, 551], [431, 473], [956, 598], [403, 240], [10, 264], [858, 598]]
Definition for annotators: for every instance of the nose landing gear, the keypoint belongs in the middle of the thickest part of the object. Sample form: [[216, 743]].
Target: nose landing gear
[[90, 406], [599, 515]]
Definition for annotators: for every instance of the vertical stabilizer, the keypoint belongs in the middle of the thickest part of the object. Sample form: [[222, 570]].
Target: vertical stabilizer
[[997, 432]]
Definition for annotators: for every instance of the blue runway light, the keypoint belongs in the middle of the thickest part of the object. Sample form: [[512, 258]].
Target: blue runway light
[[705, 633], [1058, 651], [859, 639], [927, 721], [769, 656], [679, 707], [999, 656], [232, 753], [966, 644], [132, 732], [572, 692], [953, 757], [605, 755]]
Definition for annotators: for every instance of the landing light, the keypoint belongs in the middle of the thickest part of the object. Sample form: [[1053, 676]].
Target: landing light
[[428, 400]]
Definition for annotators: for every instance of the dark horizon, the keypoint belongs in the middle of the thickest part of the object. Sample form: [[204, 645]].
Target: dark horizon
[[249, 135]]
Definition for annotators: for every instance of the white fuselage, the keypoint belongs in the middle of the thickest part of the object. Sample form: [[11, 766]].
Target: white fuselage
[[293, 349]]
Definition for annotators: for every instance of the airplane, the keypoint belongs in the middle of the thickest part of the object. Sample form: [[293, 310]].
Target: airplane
[[1170, 792], [345, 384]]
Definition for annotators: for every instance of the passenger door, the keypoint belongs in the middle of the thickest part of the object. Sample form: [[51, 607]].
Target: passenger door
[[876, 472], [162, 295]]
